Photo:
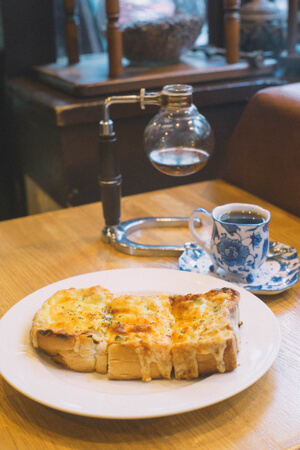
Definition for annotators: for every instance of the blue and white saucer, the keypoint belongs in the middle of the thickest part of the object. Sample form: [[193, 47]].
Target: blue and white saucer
[[278, 273]]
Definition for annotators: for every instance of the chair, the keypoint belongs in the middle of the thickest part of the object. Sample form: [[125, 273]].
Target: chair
[[263, 154]]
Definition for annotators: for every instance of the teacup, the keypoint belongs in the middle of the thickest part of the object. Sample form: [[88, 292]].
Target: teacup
[[240, 236]]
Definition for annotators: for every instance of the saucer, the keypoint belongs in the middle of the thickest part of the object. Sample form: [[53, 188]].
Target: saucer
[[279, 272]]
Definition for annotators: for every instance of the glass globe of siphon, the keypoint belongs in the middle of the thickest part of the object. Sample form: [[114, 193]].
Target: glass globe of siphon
[[179, 140]]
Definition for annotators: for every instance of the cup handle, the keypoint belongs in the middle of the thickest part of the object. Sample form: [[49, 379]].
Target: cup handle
[[203, 214]]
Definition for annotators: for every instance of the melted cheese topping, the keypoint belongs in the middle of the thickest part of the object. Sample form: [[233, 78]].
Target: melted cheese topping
[[200, 318], [141, 319], [74, 312], [205, 322]]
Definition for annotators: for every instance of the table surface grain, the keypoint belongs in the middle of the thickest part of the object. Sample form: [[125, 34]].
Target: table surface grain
[[38, 250]]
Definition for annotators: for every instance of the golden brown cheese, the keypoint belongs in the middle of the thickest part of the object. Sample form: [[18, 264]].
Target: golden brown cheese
[[205, 333]]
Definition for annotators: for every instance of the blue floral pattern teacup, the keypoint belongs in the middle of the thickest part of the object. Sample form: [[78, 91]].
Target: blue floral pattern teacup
[[235, 247]]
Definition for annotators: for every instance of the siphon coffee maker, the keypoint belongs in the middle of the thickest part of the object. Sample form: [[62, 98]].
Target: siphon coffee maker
[[178, 142]]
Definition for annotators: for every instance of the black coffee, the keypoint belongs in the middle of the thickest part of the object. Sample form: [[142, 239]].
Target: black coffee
[[242, 218]]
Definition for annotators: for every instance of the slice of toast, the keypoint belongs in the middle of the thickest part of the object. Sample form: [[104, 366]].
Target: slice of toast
[[140, 338], [205, 333], [72, 327]]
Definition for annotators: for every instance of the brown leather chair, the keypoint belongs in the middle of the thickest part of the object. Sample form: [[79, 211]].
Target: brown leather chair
[[263, 155]]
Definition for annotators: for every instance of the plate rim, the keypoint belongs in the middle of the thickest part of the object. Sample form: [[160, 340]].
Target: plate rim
[[152, 414]]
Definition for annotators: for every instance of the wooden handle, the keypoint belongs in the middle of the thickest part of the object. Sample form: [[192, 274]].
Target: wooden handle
[[110, 179], [114, 39], [71, 31], [232, 30]]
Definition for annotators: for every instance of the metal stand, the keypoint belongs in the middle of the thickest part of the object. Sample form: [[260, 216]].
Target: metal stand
[[117, 236], [116, 232]]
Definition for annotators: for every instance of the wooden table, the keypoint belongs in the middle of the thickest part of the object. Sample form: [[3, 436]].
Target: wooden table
[[38, 250]]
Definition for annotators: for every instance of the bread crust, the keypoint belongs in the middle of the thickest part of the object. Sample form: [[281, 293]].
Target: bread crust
[[83, 353], [124, 364], [194, 361]]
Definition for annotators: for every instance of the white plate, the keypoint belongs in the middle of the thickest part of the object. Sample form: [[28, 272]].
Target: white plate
[[96, 396]]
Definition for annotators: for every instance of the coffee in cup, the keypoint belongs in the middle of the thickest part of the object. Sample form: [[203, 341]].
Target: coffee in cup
[[239, 240]]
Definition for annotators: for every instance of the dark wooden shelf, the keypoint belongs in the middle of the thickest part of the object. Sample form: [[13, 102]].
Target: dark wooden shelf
[[89, 77]]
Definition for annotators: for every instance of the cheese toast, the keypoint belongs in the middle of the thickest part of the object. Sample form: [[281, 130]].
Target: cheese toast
[[140, 337], [72, 327], [205, 334]]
